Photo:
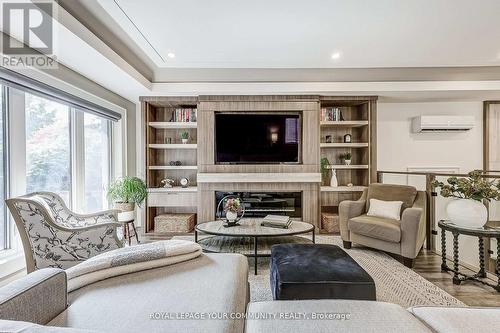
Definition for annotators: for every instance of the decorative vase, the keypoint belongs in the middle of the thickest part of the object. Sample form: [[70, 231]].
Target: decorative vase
[[347, 162], [231, 216], [184, 141], [467, 213], [334, 181]]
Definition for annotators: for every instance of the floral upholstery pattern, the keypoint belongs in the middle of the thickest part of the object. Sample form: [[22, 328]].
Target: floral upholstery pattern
[[53, 236], [66, 218]]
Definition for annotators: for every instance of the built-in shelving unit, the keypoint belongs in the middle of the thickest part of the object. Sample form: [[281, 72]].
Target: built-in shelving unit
[[348, 167], [166, 119], [173, 145], [175, 189], [345, 123], [354, 117], [344, 145], [171, 124], [342, 188], [173, 167]]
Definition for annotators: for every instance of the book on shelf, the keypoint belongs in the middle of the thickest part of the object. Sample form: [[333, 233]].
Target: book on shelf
[[331, 114], [276, 221], [185, 115]]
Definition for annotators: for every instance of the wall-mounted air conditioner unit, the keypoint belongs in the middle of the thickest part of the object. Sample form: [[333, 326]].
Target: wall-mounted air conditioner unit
[[424, 124]]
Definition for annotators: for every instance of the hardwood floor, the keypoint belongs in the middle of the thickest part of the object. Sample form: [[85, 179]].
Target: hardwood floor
[[428, 265]]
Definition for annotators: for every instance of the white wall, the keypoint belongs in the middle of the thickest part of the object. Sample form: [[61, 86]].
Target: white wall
[[400, 149]]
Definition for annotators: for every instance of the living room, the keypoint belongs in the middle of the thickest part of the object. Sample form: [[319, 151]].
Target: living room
[[233, 166]]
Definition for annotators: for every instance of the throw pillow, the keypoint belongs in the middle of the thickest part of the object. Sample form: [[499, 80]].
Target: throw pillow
[[385, 209]]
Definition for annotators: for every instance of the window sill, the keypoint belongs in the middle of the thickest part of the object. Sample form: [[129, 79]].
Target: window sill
[[11, 262]]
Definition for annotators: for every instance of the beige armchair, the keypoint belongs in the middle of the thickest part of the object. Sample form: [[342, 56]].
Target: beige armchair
[[404, 237]]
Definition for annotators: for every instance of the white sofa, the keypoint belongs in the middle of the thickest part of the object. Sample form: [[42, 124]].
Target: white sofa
[[162, 299]]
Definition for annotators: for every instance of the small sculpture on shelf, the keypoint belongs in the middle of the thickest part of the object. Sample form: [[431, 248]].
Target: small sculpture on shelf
[[167, 183], [175, 163], [185, 137], [347, 158], [184, 182], [334, 181]]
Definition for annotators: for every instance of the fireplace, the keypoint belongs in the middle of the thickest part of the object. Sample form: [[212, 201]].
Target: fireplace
[[260, 204]]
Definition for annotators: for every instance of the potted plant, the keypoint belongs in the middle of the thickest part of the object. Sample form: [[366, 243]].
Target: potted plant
[[232, 208], [347, 158], [468, 208], [325, 170], [185, 137], [125, 192]]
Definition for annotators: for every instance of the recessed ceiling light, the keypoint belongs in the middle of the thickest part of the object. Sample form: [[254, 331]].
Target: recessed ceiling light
[[171, 55], [336, 55]]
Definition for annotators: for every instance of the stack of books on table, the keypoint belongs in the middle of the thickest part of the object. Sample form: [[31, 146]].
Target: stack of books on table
[[276, 221]]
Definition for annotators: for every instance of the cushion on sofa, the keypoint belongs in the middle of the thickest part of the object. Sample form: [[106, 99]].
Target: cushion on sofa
[[137, 302], [345, 316], [458, 320], [388, 192], [376, 227]]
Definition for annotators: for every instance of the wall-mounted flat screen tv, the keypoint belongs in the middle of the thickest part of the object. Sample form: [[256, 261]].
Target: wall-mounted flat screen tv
[[258, 138]]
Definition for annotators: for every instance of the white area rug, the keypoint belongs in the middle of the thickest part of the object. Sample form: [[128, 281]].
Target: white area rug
[[395, 283]]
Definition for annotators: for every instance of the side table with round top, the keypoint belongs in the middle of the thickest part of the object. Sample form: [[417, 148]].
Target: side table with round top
[[246, 237], [127, 219], [480, 233]]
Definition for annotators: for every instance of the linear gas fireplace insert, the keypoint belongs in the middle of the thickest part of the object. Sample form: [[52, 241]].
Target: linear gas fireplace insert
[[260, 204]]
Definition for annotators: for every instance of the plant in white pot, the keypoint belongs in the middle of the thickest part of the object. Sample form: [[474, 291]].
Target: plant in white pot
[[347, 158], [468, 209], [185, 137], [126, 192]]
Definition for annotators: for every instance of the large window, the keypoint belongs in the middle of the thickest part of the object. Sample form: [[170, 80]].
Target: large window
[[48, 149], [4, 231], [67, 152], [52, 140], [97, 161]]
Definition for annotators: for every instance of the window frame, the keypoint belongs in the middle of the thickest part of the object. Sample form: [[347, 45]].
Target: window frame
[[16, 165]]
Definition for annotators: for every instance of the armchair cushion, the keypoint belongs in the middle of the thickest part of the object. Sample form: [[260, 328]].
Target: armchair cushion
[[376, 227], [387, 192]]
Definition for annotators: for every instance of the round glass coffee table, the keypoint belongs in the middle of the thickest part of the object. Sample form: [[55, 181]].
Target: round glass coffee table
[[249, 237]]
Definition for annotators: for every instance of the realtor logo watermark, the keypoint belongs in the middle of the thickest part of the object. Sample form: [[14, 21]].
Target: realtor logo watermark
[[28, 38]]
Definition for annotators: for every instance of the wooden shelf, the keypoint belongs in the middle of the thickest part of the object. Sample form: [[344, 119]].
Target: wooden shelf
[[345, 123], [173, 167], [173, 125], [173, 145], [348, 167], [344, 145], [172, 189], [342, 188]]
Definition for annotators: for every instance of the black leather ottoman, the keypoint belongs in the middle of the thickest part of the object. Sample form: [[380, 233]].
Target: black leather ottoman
[[317, 271]]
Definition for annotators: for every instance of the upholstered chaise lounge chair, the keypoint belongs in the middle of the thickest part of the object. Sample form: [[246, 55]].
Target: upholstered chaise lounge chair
[[54, 236], [404, 237]]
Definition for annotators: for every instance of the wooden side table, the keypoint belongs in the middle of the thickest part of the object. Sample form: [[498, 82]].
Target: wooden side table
[[480, 233], [126, 232]]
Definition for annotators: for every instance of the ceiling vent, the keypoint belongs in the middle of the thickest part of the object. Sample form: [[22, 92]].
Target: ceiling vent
[[424, 124]]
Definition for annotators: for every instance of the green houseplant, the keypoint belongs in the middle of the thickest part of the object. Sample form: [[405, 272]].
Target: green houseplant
[[325, 171], [469, 193], [125, 192], [347, 158], [185, 137]]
